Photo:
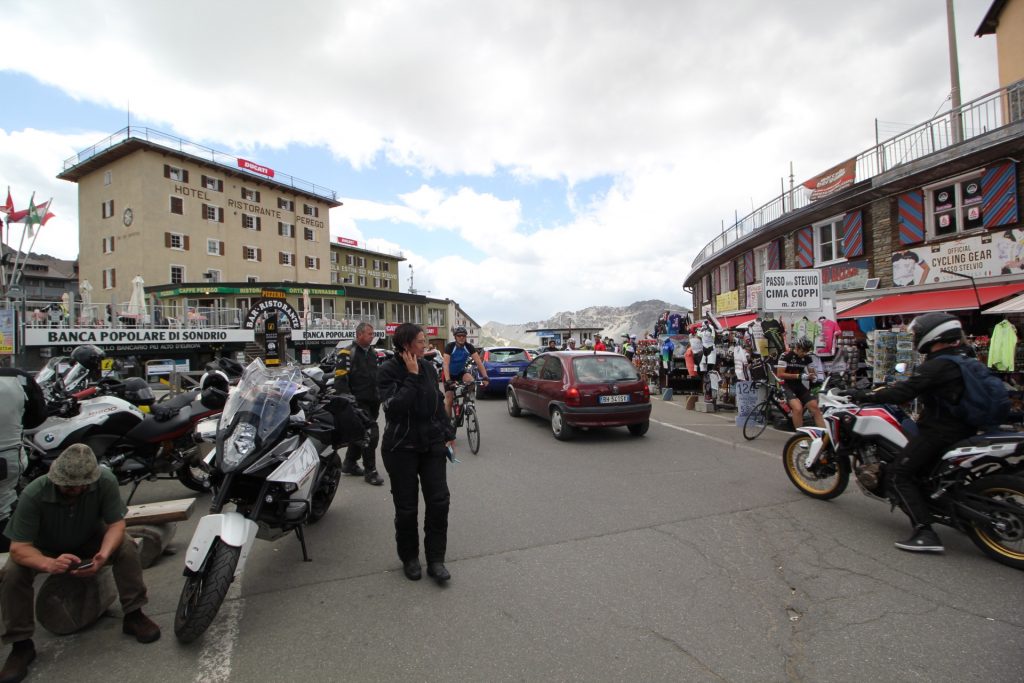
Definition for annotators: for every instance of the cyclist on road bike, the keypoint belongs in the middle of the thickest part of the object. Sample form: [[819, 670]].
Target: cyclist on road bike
[[793, 368], [457, 355]]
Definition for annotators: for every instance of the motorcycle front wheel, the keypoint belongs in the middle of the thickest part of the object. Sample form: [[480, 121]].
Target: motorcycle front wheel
[[826, 480], [203, 593], [323, 495], [1003, 538]]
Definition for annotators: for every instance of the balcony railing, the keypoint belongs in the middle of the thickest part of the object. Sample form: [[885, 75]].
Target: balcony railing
[[185, 147], [973, 119]]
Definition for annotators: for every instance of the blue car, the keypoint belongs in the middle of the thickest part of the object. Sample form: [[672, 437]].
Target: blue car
[[502, 364]]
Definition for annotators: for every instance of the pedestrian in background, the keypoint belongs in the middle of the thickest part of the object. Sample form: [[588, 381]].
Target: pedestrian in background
[[417, 438], [24, 407], [356, 373]]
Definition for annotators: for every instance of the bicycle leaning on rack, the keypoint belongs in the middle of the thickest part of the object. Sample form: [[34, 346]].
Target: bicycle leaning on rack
[[464, 411]]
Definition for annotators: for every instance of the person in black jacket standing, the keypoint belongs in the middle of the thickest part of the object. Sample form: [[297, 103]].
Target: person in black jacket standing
[[417, 436], [356, 373], [938, 384]]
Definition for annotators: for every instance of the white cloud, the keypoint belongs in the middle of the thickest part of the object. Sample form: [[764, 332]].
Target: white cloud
[[694, 110]]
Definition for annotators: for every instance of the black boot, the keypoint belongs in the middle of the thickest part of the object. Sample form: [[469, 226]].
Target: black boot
[[372, 477], [924, 540], [352, 468], [412, 569], [438, 571], [16, 666]]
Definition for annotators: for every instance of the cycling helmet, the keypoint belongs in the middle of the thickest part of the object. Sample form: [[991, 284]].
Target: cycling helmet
[[935, 327], [805, 345], [89, 357], [460, 330]]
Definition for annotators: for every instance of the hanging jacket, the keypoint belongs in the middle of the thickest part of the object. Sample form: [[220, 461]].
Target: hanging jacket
[[1002, 347]]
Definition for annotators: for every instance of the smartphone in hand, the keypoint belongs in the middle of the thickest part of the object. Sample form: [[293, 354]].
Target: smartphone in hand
[[82, 565]]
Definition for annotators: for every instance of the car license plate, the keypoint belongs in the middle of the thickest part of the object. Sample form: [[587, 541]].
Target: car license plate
[[618, 398], [510, 370]]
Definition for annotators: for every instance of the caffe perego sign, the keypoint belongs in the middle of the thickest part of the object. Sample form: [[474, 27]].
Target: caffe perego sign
[[64, 336]]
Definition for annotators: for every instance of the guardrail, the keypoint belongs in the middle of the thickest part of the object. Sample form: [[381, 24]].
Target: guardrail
[[973, 119], [185, 147]]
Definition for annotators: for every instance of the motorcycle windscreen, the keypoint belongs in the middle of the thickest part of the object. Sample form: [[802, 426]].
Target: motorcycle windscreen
[[264, 395]]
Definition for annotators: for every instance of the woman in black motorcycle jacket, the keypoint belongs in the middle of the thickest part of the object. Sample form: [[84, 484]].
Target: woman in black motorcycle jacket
[[414, 447]]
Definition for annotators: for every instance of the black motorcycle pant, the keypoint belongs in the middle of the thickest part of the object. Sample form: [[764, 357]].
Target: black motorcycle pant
[[917, 458], [408, 471], [369, 451]]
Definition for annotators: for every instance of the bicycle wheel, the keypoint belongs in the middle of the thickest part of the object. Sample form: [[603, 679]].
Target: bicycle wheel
[[472, 429], [757, 420]]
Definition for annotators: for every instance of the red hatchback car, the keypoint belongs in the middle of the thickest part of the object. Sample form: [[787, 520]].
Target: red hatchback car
[[582, 389]]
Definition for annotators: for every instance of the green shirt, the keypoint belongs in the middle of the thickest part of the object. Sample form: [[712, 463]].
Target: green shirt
[[56, 525]]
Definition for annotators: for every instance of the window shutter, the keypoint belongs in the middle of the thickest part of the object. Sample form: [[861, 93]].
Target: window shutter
[[113, 277], [245, 251], [167, 240], [775, 254], [910, 217], [259, 224], [716, 282], [184, 176], [748, 267], [999, 195], [220, 215], [280, 228], [221, 247], [280, 257], [167, 170], [112, 242], [257, 196], [259, 254], [804, 247], [853, 234], [185, 240]]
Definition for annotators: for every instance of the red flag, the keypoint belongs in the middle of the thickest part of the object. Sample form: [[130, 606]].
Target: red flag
[[8, 206], [48, 216]]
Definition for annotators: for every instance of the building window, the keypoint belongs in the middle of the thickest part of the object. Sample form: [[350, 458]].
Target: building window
[[386, 266], [108, 245], [760, 262], [727, 276], [348, 279], [954, 206], [213, 213], [174, 240], [350, 260], [107, 178], [313, 211], [362, 280], [212, 275], [215, 184], [251, 253], [250, 195], [376, 282], [109, 278], [214, 247], [175, 173], [308, 234], [177, 275], [286, 204], [251, 222], [1015, 100], [108, 208], [361, 261], [435, 317], [285, 229], [251, 278], [334, 258], [828, 240], [313, 262], [177, 205], [286, 258], [385, 284]]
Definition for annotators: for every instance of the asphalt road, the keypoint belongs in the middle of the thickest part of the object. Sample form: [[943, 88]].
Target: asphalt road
[[685, 555]]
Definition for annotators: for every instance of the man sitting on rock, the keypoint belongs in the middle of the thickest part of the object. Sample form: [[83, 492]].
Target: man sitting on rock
[[72, 516]]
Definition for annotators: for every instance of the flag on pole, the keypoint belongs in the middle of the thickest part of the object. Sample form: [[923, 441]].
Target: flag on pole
[[8, 206], [34, 217]]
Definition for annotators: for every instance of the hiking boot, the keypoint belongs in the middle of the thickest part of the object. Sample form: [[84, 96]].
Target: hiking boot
[[15, 668], [924, 540], [352, 468], [438, 572], [371, 477], [142, 627]]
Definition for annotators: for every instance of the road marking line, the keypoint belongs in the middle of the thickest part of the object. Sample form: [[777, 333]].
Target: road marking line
[[219, 641], [716, 439]]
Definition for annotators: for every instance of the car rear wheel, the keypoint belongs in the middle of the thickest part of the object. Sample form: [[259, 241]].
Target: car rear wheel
[[559, 428], [639, 429], [513, 405]]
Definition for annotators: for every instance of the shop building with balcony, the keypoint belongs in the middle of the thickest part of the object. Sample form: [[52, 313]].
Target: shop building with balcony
[[929, 220]]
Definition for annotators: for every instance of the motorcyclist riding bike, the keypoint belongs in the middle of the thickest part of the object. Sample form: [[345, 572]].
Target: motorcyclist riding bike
[[938, 384], [457, 355]]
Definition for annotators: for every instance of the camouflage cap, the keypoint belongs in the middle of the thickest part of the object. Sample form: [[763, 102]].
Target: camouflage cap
[[76, 466]]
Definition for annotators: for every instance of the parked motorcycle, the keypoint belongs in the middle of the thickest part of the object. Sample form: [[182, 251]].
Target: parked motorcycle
[[276, 461], [133, 445], [974, 488]]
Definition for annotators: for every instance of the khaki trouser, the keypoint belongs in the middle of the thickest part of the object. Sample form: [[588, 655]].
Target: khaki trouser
[[17, 594]]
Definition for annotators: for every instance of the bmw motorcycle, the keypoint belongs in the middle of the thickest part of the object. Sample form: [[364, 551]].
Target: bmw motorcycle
[[275, 460], [974, 488]]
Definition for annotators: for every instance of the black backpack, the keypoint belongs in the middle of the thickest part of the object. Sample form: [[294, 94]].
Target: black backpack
[[985, 402]]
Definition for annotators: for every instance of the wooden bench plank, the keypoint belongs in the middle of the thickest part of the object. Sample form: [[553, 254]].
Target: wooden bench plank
[[160, 513]]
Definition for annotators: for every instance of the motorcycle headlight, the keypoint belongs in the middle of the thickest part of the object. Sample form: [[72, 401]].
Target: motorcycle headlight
[[241, 443]]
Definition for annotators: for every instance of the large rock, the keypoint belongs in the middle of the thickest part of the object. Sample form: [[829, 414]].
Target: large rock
[[66, 604], [151, 540]]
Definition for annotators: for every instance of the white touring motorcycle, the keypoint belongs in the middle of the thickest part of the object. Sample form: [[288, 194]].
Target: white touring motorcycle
[[276, 462], [975, 487]]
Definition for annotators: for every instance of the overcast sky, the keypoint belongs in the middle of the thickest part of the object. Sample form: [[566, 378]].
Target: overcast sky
[[527, 157]]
